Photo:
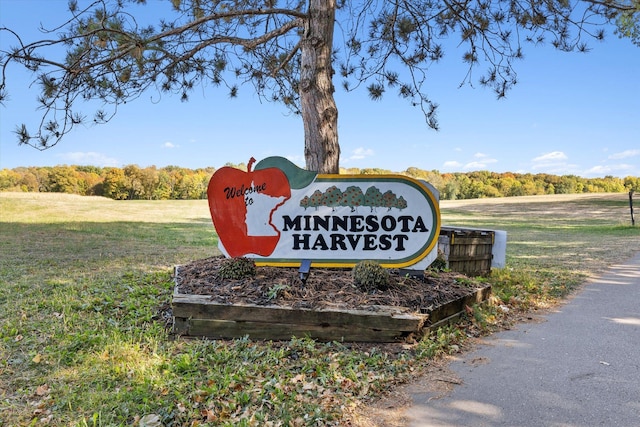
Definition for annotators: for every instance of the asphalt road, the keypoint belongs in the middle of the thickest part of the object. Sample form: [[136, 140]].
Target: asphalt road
[[580, 366]]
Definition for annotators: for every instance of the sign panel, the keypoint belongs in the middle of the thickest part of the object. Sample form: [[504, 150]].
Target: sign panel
[[279, 214]]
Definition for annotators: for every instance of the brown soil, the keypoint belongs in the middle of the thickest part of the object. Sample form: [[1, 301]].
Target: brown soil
[[324, 288]]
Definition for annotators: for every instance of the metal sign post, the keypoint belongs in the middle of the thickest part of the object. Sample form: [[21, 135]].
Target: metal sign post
[[633, 221]]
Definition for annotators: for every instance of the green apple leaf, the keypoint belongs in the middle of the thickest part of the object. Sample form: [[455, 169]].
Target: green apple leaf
[[298, 177]]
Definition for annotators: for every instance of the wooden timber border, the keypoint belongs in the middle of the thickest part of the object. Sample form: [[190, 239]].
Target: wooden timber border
[[198, 316]]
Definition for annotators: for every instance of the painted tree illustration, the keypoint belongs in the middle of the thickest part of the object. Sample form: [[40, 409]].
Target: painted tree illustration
[[111, 52], [373, 198], [332, 197], [352, 197], [401, 203], [305, 202], [316, 199], [389, 199]]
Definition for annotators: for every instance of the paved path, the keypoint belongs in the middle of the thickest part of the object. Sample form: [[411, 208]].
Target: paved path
[[579, 367]]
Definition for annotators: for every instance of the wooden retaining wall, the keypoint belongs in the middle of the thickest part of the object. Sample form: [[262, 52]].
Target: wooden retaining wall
[[198, 316]]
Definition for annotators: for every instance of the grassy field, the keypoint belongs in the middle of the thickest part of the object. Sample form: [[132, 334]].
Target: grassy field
[[579, 233], [82, 278]]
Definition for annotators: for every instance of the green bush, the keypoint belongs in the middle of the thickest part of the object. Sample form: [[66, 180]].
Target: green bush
[[369, 276], [237, 268], [440, 263]]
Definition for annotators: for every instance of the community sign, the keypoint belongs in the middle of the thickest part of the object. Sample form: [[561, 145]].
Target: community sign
[[279, 214]]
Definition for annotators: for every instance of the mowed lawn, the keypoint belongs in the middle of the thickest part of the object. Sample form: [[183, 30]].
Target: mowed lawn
[[82, 280]]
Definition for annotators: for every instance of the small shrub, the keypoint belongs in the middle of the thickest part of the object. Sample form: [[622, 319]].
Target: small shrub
[[237, 268], [440, 263], [444, 340], [276, 290], [370, 276]]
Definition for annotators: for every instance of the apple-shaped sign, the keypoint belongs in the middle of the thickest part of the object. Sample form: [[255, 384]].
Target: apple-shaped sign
[[242, 205], [280, 214]]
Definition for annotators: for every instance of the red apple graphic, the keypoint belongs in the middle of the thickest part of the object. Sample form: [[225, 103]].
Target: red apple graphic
[[242, 204]]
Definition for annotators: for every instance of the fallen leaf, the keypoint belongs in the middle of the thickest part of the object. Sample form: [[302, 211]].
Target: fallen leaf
[[298, 378], [494, 300], [150, 420], [18, 338], [37, 358], [46, 420], [43, 390], [210, 415], [308, 386]]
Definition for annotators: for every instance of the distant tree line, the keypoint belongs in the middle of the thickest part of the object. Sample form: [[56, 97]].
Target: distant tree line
[[172, 182], [128, 183]]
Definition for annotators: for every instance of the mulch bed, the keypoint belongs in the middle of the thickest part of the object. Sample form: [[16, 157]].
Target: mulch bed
[[324, 288]]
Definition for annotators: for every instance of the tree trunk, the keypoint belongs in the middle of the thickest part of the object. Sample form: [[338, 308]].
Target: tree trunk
[[319, 111]]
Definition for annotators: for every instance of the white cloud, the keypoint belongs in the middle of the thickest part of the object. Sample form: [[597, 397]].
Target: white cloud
[[598, 170], [479, 165], [474, 165], [451, 164], [604, 170], [555, 163], [88, 158], [361, 152], [482, 162], [169, 144], [554, 156], [558, 169], [624, 154], [358, 154]]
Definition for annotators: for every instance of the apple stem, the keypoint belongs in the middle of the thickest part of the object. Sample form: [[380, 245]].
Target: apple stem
[[250, 164]]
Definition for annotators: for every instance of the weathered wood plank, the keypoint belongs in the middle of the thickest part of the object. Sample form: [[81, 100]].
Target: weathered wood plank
[[196, 307], [197, 315], [224, 329], [442, 322], [457, 306], [180, 326], [465, 258], [481, 241]]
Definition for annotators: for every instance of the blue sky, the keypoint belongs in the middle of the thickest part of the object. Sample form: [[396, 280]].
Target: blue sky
[[570, 113]]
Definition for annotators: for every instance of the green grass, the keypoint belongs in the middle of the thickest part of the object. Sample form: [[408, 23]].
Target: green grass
[[82, 281], [582, 234]]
